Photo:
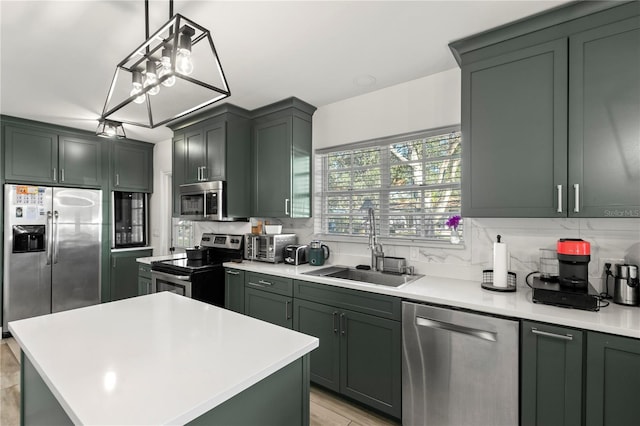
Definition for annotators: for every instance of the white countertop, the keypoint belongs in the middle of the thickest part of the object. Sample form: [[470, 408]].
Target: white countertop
[[615, 319], [155, 359]]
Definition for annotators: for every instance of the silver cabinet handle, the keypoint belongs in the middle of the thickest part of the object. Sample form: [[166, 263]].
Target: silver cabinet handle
[[260, 283], [286, 309], [335, 322], [286, 206], [55, 174], [233, 272], [559, 209], [198, 174], [113, 262], [205, 174], [442, 325], [553, 335], [343, 325], [117, 179], [61, 175], [576, 192]]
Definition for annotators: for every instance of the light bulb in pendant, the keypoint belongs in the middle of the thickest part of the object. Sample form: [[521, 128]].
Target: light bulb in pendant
[[165, 68], [137, 87], [151, 78], [183, 55]]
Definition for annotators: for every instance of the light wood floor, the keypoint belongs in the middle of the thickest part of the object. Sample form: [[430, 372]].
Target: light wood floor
[[326, 408]]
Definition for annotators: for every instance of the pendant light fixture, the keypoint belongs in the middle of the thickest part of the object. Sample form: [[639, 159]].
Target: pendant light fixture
[[110, 129], [176, 71]]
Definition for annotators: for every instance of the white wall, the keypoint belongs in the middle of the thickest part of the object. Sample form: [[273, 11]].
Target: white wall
[[421, 104]]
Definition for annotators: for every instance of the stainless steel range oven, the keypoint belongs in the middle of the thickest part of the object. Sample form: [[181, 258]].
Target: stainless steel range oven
[[201, 279], [179, 284]]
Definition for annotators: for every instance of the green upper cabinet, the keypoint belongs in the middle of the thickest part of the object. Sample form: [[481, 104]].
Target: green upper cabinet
[[178, 161], [205, 152], [549, 115], [551, 375], [132, 166], [215, 146], [41, 156], [604, 124], [281, 153], [31, 155], [80, 161], [514, 127], [613, 380]]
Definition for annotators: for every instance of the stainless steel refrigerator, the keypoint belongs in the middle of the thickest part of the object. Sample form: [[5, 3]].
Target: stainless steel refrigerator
[[51, 250]]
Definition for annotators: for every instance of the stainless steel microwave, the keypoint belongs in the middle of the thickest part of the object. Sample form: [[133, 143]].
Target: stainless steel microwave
[[203, 201]]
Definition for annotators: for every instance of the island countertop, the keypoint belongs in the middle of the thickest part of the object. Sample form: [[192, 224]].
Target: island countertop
[[155, 359]]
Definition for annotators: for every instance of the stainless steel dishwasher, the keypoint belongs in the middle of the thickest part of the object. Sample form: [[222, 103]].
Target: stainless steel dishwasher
[[458, 368]]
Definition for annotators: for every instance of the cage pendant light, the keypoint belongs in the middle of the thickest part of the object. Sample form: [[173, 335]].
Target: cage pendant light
[[175, 72]]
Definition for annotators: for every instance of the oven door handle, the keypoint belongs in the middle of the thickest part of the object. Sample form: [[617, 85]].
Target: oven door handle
[[171, 276]]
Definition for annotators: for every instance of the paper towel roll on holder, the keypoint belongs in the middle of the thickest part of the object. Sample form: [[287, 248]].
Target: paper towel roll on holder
[[487, 281]]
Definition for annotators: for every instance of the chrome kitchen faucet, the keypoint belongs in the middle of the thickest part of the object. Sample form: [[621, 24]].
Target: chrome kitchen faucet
[[374, 245]]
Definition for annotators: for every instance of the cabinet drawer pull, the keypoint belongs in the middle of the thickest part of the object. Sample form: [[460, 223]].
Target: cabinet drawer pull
[[576, 193], [343, 325], [205, 174], [260, 283], [335, 322], [286, 310], [117, 179], [559, 209], [61, 175], [55, 174], [554, 335], [286, 206], [233, 272]]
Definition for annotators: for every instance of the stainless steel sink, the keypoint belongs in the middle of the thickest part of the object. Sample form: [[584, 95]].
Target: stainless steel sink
[[371, 277]]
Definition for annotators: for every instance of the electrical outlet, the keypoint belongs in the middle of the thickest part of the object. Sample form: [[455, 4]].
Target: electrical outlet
[[612, 261], [414, 253]]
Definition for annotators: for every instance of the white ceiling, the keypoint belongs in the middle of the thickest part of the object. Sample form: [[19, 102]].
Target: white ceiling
[[57, 58]]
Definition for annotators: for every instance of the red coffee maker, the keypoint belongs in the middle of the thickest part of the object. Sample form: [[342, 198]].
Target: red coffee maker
[[574, 255]]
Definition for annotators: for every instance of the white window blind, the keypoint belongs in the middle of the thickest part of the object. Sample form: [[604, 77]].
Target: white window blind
[[411, 181]]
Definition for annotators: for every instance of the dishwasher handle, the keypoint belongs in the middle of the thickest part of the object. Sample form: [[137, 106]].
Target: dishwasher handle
[[442, 325]]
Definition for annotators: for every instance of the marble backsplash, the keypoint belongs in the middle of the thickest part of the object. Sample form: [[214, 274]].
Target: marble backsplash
[[612, 240]]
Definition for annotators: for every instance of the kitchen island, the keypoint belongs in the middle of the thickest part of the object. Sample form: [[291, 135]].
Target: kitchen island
[[161, 359]]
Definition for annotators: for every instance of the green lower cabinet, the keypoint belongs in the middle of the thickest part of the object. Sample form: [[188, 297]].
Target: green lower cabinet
[[371, 361], [613, 380], [234, 290], [144, 279], [270, 307], [321, 321], [551, 381], [359, 354], [124, 273]]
